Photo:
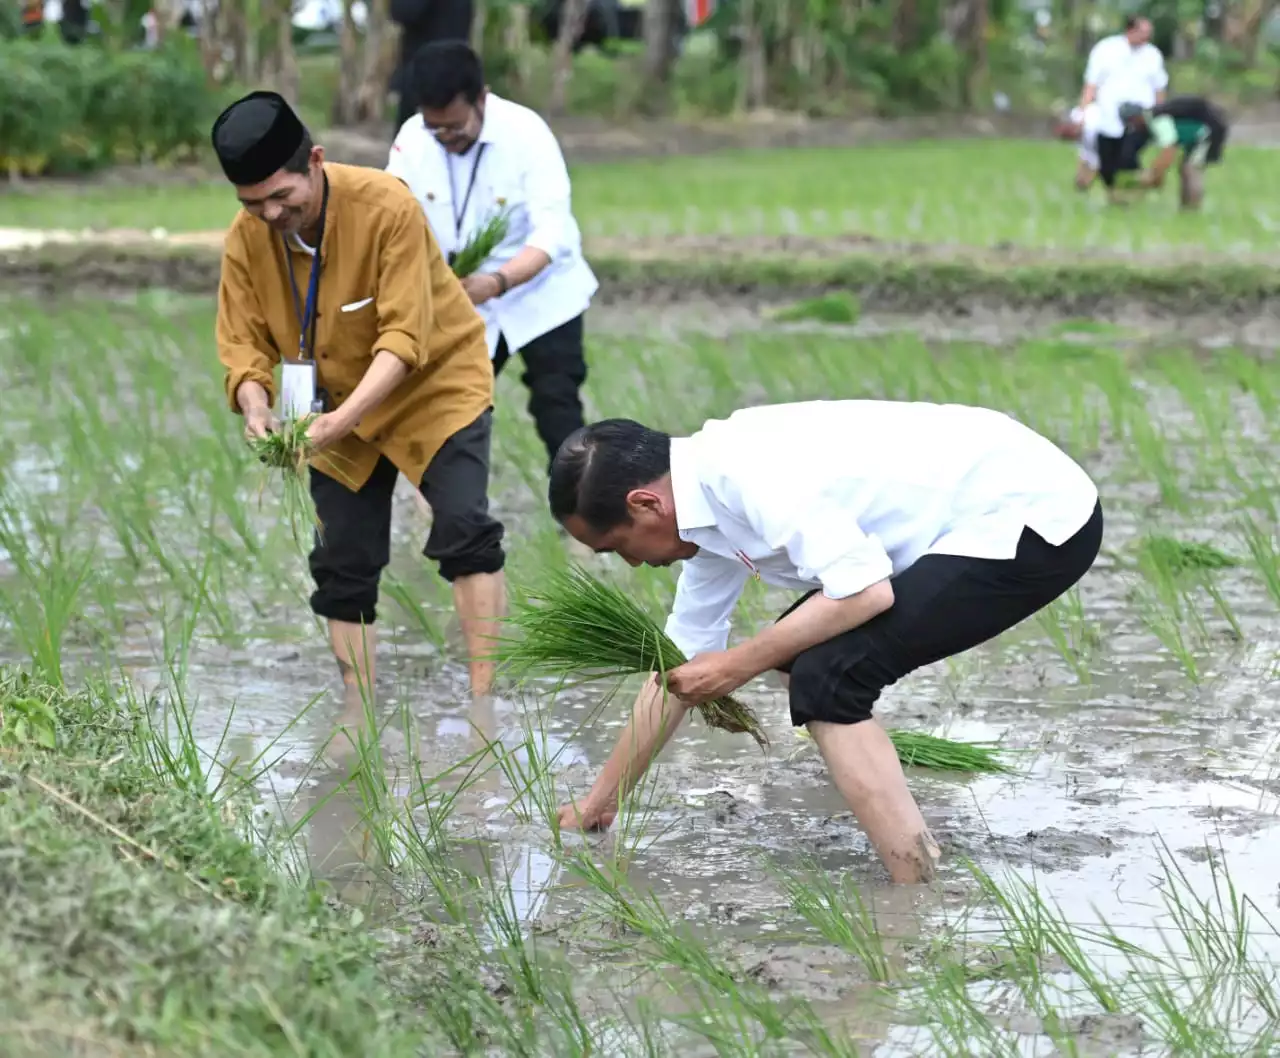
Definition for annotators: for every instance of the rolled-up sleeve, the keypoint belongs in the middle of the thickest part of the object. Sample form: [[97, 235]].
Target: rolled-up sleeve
[[404, 289], [706, 593], [244, 342], [1096, 67], [548, 197]]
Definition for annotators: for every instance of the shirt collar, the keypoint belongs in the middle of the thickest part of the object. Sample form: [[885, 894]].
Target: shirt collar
[[692, 509]]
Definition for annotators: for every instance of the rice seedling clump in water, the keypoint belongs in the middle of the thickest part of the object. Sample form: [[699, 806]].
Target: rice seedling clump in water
[[481, 245], [575, 623], [288, 449]]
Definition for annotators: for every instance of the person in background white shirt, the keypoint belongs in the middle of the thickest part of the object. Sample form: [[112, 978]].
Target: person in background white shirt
[[469, 155], [1124, 68], [915, 531]]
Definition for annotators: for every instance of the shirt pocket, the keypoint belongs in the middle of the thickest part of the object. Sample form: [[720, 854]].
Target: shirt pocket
[[354, 331]]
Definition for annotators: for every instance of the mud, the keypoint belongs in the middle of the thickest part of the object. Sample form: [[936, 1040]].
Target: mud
[[1109, 773]]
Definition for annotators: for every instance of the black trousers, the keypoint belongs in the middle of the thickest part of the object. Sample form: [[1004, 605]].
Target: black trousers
[[348, 558], [555, 367], [942, 606], [1118, 154]]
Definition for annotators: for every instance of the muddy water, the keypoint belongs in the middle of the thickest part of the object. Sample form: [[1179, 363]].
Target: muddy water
[[1110, 771]]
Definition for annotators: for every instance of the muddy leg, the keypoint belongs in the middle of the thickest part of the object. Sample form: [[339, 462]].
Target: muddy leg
[[481, 601], [866, 770], [1085, 176], [354, 648], [1191, 186]]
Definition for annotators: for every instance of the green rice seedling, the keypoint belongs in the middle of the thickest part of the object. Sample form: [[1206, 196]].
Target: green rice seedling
[[1033, 929], [288, 450], [44, 602], [839, 308], [839, 914], [1073, 636], [479, 248], [1179, 557], [1163, 619], [574, 623], [1155, 459], [919, 750], [1261, 543]]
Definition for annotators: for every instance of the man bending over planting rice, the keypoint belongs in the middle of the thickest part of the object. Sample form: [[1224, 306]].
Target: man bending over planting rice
[[336, 265], [914, 531]]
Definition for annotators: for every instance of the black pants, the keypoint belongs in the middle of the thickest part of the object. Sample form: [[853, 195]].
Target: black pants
[[348, 558], [1118, 154], [942, 605], [555, 368]]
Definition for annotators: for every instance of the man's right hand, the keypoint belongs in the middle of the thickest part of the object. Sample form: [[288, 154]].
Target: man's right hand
[[585, 817], [258, 422]]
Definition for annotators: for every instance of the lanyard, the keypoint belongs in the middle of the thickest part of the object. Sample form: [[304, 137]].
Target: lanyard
[[459, 215], [307, 316]]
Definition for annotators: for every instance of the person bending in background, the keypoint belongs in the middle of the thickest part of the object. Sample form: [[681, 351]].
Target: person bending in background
[[336, 264], [421, 22], [470, 155], [1124, 68], [915, 531], [1187, 124]]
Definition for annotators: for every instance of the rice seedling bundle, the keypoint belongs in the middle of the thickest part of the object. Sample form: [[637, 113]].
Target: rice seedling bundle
[[481, 244], [574, 624], [288, 450]]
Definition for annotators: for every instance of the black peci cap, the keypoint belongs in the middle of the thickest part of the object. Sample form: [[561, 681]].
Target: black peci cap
[[255, 136]]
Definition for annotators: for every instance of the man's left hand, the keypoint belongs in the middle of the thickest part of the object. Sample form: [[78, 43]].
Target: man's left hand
[[481, 287], [325, 430], [706, 677]]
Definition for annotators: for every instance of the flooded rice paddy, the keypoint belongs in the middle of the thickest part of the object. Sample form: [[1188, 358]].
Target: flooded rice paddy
[[1114, 896]]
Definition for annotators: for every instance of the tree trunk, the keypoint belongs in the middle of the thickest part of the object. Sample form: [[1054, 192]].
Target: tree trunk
[[659, 55], [753, 64], [346, 102], [1257, 20], [516, 39], [906, 25], [573, 18], [976, 49], [285, 58], [381, 47]]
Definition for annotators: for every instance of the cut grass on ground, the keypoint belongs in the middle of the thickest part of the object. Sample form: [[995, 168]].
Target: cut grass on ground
[[968, 192]]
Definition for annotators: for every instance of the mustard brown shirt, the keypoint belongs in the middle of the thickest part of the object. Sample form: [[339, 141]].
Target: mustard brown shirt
[[384, 285]]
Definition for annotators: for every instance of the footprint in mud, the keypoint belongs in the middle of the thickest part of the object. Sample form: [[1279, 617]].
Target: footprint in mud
[[1049, 849], [820, 973]]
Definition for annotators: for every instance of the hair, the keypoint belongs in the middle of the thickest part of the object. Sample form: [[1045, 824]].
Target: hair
[[598, 465], [1131, 21], [300, 160], [442, 70]]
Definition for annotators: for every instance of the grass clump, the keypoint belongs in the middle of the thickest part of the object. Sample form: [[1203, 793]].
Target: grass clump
[[574, 623], [841, 307], [1178, 557], [481, 245], [137, 917]]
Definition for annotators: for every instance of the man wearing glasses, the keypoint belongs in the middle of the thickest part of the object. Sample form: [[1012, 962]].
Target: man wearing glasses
[[469, 156]]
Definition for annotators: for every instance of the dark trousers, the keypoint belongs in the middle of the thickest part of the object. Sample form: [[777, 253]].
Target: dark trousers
[[942, 606], [555, 367], [1118, 154], [355, 543]]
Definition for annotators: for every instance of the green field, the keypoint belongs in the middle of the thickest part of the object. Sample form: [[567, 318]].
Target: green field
[[972, 192], [1109, 898]]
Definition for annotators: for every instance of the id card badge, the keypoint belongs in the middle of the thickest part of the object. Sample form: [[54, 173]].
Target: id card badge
[[297, 389]]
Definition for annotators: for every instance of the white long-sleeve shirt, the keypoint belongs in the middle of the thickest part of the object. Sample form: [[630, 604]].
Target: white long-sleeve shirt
[[837, 495], [1122, 73], [521, 170]]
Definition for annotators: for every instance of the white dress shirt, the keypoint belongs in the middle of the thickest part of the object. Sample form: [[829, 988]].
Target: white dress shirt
[[1122, 73], [839, 495], [521, 170]]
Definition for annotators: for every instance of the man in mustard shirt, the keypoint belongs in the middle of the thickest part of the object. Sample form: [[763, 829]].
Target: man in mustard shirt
[[331, 272]]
